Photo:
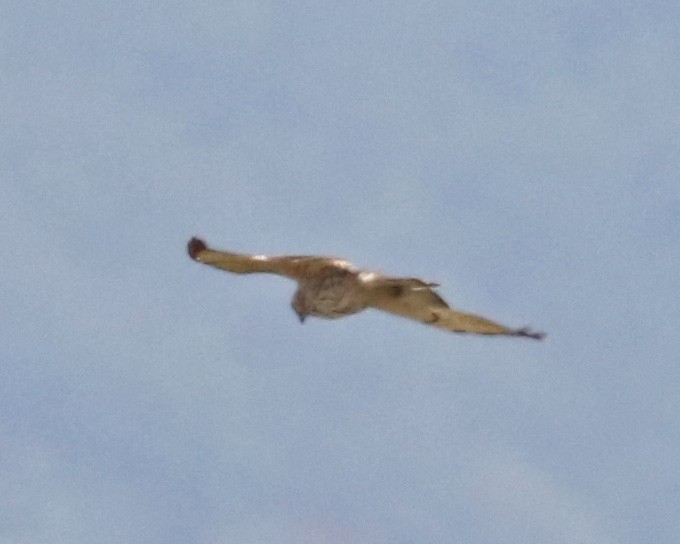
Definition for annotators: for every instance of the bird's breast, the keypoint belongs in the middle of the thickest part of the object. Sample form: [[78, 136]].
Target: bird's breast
[[333, 296]]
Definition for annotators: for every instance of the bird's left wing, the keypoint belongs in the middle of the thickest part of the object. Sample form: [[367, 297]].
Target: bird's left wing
[[415, 299]]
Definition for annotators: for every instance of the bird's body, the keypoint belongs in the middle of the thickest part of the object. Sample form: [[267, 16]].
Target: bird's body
[[330, 288], [330, 295]]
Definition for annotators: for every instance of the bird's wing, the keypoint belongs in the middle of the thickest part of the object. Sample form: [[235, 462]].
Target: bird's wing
[[415, 299], [297, 267]]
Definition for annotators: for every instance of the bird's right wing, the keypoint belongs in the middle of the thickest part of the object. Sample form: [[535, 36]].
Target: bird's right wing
[[297, 267]]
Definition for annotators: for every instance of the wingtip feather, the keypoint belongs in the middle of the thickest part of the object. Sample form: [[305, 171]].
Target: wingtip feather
[[528, 333], [195, 246]]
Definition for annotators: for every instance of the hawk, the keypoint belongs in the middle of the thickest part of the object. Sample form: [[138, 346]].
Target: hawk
[[329, 287]]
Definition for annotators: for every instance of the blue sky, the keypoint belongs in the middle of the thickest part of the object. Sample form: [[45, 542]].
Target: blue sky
[[524, 155]]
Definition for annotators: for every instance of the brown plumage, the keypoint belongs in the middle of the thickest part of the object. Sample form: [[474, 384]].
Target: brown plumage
[[331, 288]]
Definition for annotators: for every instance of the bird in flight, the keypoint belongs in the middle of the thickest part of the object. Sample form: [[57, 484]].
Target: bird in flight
[[332, 288]]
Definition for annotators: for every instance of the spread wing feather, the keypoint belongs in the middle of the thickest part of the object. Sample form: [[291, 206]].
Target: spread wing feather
[[415, 299], [292, 266]]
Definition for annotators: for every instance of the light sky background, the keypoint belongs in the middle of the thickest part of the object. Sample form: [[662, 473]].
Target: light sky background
[[524, 154]]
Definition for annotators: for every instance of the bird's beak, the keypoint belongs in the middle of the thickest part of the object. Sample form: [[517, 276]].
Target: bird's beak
[[301, 317]]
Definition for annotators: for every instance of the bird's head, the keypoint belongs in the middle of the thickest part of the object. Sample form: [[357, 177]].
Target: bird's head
[[299, 306]]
